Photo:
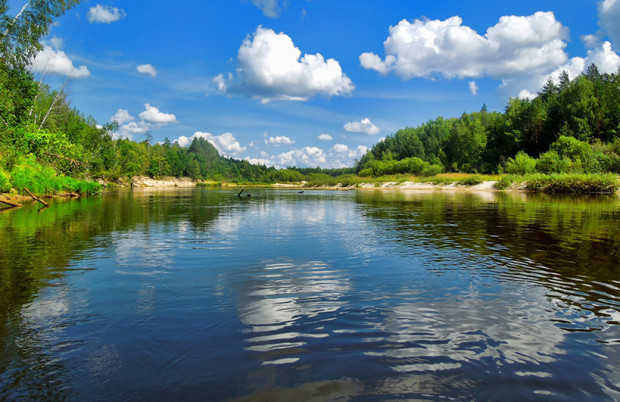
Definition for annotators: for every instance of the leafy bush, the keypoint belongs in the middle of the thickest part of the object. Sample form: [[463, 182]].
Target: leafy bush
[[39, 179], [552, 162], [471, 180], [571, 148], [521, 164], [5, 182], [365, 172], [432, 170], [507, 180]]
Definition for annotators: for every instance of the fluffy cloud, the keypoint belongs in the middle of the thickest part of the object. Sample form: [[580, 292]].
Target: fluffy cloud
[[604, 57], [340, 148], [226, 144], [270, 8], [259, 161], [105, 14], [130, 129], [52, 60], [601, 54], [365, 127], [122, 116], [342, 156], [338, 156], [325, 137], [152, 115], [307, 156], [473, 88], [278, 141], [270, 67], [514, 46], [147, 69], [609, 19]]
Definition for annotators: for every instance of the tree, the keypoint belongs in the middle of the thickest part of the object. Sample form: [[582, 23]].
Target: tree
[[20, 35]]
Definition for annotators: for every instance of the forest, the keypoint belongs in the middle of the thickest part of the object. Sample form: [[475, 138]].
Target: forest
[[569, 127]]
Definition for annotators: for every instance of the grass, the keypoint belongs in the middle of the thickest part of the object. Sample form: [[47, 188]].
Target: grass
[[463, 179], [354, 180], [572, 183], [43, 180], [210, 184], [576, 183]]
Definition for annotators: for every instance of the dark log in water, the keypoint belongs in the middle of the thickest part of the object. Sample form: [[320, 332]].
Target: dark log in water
[[37, 198], [9, 202]]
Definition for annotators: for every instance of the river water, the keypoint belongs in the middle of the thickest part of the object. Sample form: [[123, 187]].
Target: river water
[[195, 294]]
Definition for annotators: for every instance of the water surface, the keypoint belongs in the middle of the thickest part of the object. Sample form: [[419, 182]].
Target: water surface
[[197, 294]]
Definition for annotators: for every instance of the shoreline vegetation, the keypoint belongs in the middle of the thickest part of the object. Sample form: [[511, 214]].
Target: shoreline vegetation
[[535, 183], [564, 140]]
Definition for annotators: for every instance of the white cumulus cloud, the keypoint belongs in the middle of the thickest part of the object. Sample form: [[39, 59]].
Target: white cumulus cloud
[[226, 144], [278, 141], [516, 45], [340, 148], [152, 115], [122, 116], [604, 57], [147, 69], [130, 129], [325, 137], [259, 161], [609, 19], [342, 156], [365, 126], [270, 67], [601, 54], [304, 157], [52, 60], [105, 14]]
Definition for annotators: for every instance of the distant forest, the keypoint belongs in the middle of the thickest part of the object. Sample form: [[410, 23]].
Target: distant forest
[[569, 127]]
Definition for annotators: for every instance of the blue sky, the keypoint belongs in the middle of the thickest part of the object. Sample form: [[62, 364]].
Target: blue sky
[[313, 82]]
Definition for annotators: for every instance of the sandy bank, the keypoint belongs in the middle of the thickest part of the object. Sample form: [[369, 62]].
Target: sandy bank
[[414, 186], [410, 185]]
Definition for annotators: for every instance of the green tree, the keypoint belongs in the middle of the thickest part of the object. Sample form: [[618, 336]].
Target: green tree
[[20, 35]]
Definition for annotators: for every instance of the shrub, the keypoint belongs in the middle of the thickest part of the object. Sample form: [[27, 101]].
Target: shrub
[[573, 183], [28, 173], [571, 148], [521, 164], [507, 180], [5, 182], [551, 162], [471, 180], [432, 170]]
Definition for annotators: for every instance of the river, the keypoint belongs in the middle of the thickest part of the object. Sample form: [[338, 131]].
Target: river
[[196, 294]]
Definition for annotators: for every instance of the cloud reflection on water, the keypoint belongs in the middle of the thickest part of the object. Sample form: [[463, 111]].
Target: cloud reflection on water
[[282, 296]]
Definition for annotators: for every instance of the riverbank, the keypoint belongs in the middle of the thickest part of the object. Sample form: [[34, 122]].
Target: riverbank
[[562, 183], [559, 183]]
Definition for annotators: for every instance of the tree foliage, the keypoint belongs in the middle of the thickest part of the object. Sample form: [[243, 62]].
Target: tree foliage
[[570, 125], [20, 35]]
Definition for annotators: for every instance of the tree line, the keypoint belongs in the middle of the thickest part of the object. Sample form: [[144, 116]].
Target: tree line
[[572, 126]]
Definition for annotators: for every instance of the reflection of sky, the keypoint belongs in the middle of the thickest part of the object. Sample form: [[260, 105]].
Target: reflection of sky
[[282, 296], [514, 327], [314, 289]]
